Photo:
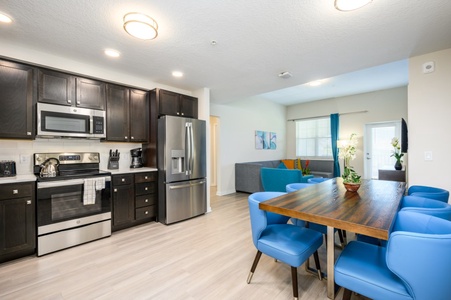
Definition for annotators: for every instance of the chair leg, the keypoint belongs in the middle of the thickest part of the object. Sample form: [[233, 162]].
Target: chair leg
[[317, 264], [254, 266], [346, 294], [342, 241], [294, 279]]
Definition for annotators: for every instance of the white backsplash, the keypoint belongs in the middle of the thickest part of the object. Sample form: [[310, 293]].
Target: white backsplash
[[22, 151]]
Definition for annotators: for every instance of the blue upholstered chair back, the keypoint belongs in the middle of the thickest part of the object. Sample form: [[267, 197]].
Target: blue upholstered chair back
[[293, 187], [276, 180], [260, 219], [427, 206], [429, 192], [418, 252], [317, 179]]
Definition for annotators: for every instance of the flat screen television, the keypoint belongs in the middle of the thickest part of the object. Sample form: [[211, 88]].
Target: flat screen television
[[404, 137]]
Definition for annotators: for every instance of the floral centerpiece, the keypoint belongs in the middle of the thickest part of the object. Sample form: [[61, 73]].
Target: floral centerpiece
[[396, 153], [347, 152]]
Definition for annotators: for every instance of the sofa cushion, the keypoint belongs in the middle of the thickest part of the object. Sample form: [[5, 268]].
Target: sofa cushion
[[282, 166]]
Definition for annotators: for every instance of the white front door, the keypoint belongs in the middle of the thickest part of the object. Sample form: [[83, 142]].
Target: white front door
[[378, 148]]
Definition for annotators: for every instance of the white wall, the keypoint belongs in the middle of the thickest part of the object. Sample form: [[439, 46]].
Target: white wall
[[237, 124], [430, 120], [385, 105]]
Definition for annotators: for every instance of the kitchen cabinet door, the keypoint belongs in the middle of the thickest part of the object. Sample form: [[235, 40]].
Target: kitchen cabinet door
[[17, 96], [139, 116], [117, 113], [188, 106], [123, 205], [169, 103], [90, 93], [17, 221], [56, 87]]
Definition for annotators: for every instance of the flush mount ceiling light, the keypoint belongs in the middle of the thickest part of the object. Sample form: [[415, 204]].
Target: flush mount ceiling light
[[285, 75], [4, 18], [140, 26], [177, 74], [112, 53], [348, 5]]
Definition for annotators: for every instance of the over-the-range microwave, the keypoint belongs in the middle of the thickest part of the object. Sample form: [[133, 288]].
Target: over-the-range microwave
[[68, 121]]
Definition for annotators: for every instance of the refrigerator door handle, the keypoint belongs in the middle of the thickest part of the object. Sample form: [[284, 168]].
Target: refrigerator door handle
[[186, 185], [188, 148]]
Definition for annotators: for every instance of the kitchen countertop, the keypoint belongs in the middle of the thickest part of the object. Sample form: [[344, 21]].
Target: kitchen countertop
[[18, 178], [132, 170]]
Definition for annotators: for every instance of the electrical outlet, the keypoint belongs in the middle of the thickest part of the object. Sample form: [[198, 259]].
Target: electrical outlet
[[24, 159]]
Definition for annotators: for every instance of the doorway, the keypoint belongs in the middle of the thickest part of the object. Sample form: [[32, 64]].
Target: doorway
[[214, 149], [378, 146]]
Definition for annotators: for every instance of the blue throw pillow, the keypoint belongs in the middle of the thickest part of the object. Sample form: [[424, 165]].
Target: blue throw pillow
[[282, 166]]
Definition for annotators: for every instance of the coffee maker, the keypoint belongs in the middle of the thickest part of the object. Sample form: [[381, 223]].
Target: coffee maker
[[137, 160]]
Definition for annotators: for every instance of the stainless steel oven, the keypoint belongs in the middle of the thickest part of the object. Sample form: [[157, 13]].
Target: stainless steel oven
[[75, 206]]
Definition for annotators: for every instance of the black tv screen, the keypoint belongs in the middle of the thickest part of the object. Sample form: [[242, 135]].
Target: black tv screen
[[404, 137]]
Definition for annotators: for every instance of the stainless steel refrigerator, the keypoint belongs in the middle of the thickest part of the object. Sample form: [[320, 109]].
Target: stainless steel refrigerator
[[182, 168]]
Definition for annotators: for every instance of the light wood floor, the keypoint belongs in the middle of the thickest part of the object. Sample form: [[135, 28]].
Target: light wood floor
[[207, 257]]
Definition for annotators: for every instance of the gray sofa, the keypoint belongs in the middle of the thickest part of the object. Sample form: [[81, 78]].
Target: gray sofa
[[247, 174]]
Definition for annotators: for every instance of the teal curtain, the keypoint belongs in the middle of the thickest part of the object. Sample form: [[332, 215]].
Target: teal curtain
[[334, 125]]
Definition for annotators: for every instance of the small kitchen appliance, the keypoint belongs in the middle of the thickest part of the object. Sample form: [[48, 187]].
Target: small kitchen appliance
[[7, 168], [113, 160], [137, 160]]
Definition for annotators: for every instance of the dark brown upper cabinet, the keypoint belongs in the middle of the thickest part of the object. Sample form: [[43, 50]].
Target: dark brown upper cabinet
[[127, 114], [17, 96], [65, 89], [174, 104]]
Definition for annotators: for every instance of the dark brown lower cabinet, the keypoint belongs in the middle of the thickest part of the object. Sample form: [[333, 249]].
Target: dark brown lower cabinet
[[17, 220], [134, 199]]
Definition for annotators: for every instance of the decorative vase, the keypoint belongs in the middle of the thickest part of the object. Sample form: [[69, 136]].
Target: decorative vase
[[351, 187], [398, 165]]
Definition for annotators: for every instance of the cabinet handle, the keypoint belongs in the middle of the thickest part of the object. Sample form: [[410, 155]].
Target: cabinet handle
[[132, 137], [28, 202], [183, 114], [78, 102], [146, 189], [146, 213], [15, 192], [145, 177], [115, 190], [147, 200], [178, 113], [69, 101], [126, 137], [28, 133], [123, 179]]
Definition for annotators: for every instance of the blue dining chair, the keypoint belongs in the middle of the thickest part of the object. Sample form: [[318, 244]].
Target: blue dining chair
[[284, 242], [429, 192], [317, 179], [421, 205], [292, 187], [415, 264]]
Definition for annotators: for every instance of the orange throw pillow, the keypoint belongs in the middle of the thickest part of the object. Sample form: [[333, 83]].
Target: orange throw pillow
[[289, 163]]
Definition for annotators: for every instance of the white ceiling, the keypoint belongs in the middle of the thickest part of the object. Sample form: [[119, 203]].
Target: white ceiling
[[256, 40]]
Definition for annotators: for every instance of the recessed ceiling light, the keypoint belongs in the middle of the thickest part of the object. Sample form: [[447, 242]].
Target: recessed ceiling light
[[140, 26], [112, 53], [315, 83], [177, 74], [348, 5], [5, 19]]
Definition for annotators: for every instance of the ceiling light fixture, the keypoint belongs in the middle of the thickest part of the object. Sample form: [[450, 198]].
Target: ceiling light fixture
[[140, 26], [177, 74], [348, 5], [5, 19], [112, 53], [285, 75]]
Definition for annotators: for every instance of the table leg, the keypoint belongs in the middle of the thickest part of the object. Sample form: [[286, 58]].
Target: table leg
[[330, 262]]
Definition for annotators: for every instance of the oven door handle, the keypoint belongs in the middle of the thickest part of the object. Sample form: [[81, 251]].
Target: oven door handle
[[60, 183]]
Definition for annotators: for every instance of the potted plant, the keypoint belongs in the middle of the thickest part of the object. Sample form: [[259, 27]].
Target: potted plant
[[347, 151], [397, 154]]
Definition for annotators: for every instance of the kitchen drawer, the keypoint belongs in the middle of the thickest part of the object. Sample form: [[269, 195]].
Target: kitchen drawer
[[145, 212], [144, 188], [145, 200], [16, 190], [145, 177], [122, 179]]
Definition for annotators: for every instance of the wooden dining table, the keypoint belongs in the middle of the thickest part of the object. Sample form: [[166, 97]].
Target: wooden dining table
[[369, 211]]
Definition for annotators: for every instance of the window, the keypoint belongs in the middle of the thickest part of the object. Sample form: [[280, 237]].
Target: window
[[313, 138]]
